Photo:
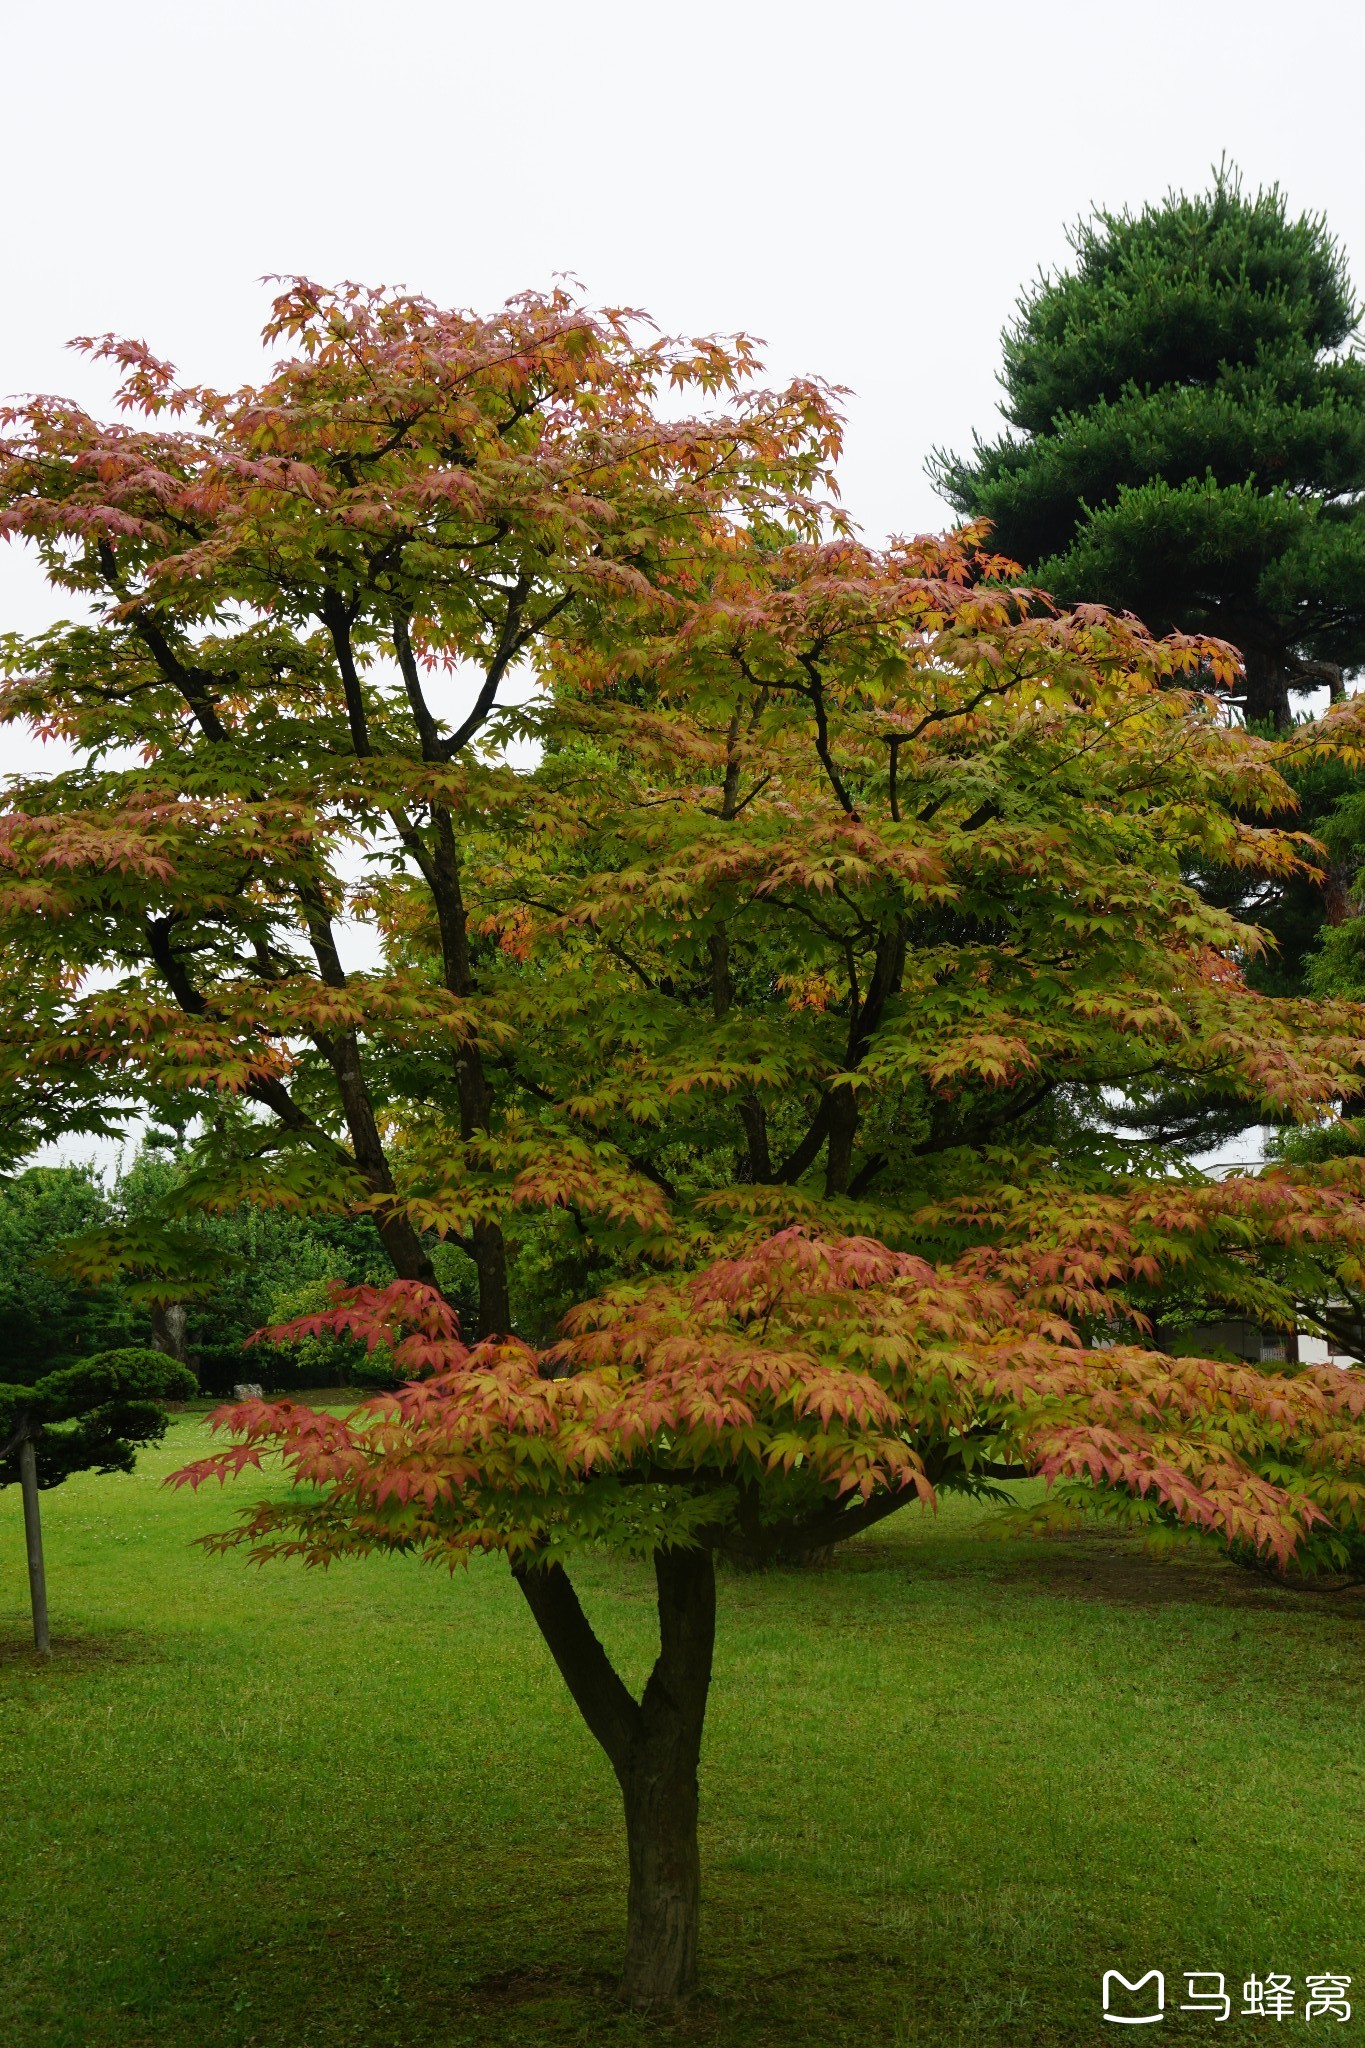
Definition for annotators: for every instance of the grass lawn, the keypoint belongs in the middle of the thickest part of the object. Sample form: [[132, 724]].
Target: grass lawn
[[947, 1783]]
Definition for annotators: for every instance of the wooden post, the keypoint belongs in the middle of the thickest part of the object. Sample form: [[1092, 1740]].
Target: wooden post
[[33, 1536]]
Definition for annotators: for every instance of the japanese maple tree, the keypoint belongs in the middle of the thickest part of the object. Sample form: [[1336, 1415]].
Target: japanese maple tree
[[773, 1013]]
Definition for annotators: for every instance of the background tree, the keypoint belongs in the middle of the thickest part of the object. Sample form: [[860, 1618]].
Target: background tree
[[46, 1318], [257, 1266], [88, 1416], [1189, 435], [267, 1265]]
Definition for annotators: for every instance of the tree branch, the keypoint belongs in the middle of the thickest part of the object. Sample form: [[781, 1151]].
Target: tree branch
[[194, 684], [803, 1156], [817, 697], [601, 1696], [337, 620], [427, 733], [510, 643]]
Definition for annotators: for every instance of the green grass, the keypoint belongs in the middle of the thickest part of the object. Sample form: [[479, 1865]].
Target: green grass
[[947, 1783]]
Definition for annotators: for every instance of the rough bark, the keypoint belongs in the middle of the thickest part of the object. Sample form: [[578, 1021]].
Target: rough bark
[[659, 1787], [489, 1251], [654, 1747], [1267, 686], [169, 1328]]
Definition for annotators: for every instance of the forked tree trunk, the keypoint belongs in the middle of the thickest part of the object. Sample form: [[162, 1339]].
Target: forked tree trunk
[[654, 1746]]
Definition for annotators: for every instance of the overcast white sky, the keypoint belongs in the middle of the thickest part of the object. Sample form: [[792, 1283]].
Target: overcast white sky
[[866, 186]]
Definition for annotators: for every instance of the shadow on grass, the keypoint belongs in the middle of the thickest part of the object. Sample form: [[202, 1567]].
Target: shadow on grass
[[1123, 1575], [745, 2000], [1088, 1565], [75, 1650]]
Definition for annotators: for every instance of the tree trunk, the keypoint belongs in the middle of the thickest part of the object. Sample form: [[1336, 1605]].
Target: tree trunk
[[654, 1747], [490, 1263], [168, 1329], [1267, 686], [659, 1787], [663, 1909], [33, 1538]]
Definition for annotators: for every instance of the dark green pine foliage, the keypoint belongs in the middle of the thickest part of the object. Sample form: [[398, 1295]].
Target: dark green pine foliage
[[1188, 435], [90, 1416]]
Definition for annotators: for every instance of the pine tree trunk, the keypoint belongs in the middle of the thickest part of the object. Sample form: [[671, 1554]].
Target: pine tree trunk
[[1267, 685], [33, 1539]]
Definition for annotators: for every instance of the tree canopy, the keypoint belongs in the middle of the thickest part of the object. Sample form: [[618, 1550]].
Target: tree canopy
[[754, 1042], [91, 1415], [430, 487], [1188, 434]]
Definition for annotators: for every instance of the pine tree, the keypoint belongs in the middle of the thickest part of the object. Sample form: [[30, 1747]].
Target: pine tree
[[1189, 435], [89, 1416]]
